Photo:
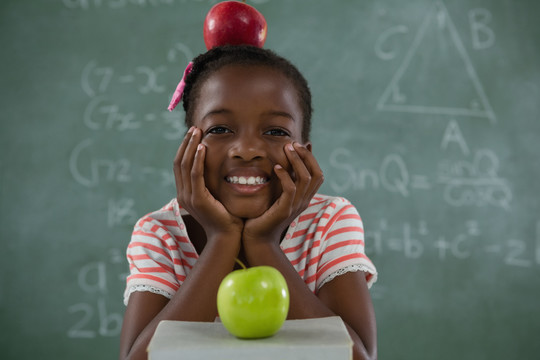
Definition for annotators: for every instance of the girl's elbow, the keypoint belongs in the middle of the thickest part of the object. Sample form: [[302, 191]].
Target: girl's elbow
[[362, 353]]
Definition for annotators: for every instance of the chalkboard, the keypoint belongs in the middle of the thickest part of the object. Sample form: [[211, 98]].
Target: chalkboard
[[426, 118]]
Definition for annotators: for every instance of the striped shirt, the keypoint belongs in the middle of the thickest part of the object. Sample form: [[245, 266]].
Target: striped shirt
[[324, 241]]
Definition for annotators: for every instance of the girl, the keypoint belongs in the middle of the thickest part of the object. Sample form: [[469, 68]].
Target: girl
[[247, 184]]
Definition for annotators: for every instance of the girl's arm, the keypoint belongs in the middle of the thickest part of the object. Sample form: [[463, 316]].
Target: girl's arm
[[347, 295], [196, 298], [194, 301]]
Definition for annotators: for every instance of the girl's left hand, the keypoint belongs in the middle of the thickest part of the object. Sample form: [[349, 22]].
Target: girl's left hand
[[294, 199]]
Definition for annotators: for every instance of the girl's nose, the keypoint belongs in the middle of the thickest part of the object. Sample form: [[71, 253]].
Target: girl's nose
[[247, 148]]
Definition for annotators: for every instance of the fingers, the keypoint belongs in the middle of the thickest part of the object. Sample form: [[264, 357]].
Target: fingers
[[178, 160], [298, 189], [308, 176], [184, 163], [287, 185], [197, 172]]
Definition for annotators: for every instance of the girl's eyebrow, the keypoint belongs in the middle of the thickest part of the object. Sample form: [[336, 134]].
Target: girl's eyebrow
[[269, 113], [216, 112], [277, 113]]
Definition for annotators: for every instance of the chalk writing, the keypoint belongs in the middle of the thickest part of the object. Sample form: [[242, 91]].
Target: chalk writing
[[90, 171], [97, 79], [103, 114], [113, 4], [483, 36], [382, 40], [121, 4], [92, 278], [453, 134], [415, 241], [179, 48], [109, 324], [457, 247], [392, 175], [93, 319], [537, 252], [476, 182], [112, 170], [396, 98], [518, 252], [121, 212]]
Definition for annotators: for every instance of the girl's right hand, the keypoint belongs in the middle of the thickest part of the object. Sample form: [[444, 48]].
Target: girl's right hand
[[192, 193]]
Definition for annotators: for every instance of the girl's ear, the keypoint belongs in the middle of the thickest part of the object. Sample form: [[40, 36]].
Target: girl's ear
[[308, 146]]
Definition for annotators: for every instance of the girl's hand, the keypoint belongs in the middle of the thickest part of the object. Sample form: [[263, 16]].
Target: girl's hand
[[192, 193], [295, 198]]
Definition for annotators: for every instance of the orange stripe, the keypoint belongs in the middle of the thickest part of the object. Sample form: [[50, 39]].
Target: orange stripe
[[345, 230], [299, 233], [316, 244], [318, 201], [155, 269], [175, 287], [307, 252], [310, 279], [169, 206], [155, 227], [151, 248], [165, 267], [306, 217], [185, 264], [351, 216], [342, 244], [190, 254], [315, 259], [335, 218], [154, 236], [338, 260], [170, 223], [182, 239], [300, 258], [180, 262], [294, 248]]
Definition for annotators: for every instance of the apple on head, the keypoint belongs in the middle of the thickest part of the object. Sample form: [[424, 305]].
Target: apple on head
[[253, 303], [234, 23]]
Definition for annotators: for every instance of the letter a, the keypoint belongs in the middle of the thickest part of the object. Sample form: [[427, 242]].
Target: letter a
[[453, 134]]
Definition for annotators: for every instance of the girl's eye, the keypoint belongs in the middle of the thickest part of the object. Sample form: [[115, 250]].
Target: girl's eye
[[218, 130], [277, 132]]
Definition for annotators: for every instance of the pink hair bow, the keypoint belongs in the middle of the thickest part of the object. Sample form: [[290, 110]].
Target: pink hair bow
[[177, 96]]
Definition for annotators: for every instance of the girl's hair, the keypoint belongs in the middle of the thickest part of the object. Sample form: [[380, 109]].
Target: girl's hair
[[206, 64]]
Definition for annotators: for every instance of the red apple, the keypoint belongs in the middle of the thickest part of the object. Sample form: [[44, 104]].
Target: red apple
[[234, 23]]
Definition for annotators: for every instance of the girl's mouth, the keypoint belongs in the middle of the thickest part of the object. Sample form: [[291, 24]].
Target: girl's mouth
[[247, 180]]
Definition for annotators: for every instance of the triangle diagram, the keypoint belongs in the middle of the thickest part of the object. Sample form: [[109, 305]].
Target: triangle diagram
[[436, 75]]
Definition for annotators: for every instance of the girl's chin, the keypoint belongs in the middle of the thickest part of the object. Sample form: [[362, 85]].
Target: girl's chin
[[248, 209], [248, 213]]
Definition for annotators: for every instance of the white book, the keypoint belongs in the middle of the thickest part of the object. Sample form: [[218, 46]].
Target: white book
[[313, 339]]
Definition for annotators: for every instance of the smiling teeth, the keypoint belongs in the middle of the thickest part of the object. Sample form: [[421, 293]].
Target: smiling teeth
[[242, 180]]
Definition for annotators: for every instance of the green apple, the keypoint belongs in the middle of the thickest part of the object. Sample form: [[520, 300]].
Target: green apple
[[253, 303]]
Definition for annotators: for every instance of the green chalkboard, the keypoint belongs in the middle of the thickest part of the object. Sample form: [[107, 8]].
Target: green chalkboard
[[427, 117]]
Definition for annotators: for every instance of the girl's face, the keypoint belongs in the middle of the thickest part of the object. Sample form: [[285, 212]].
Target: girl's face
[[247, 115]]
